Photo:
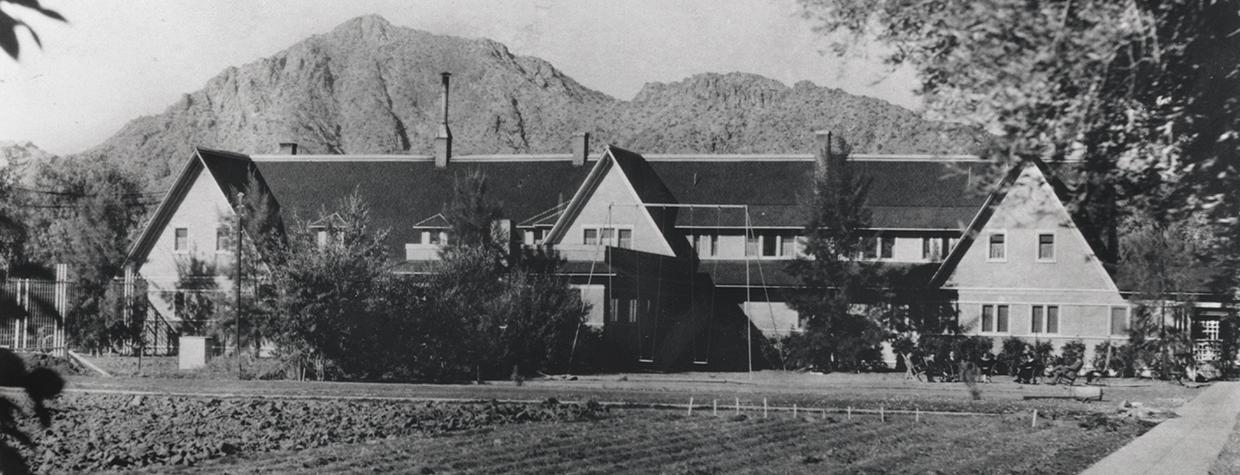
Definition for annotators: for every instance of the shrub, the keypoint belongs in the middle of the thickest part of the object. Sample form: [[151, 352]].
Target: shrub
[[1072, 351], [1120, 361], [1010, 353]]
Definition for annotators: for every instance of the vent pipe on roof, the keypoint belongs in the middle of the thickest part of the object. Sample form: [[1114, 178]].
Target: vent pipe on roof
[[831, 154], [288, 148], [443, 139], [581, 148]]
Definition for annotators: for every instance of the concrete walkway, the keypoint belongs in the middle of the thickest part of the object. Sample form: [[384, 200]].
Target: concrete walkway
[[1188, 444]]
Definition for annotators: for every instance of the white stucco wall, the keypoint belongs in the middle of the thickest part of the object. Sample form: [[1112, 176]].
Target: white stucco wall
[[613, 203]]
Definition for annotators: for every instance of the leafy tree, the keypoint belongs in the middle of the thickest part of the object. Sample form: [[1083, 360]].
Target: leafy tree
[[262, 246], [1165, 265], [9, 25], [325, 296], [836, 333], [503, 310], [90, 210], [1142, 92]]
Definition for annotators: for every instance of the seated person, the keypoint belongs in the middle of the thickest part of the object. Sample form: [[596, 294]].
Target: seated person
[[986, 366], [1029, 370], [930, 366], [1068, 372]]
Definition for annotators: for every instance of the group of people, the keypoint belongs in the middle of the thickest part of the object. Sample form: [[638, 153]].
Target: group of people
[[1029, 368]]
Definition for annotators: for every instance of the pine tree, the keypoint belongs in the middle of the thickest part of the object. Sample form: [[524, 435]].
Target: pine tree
[[837, 333]]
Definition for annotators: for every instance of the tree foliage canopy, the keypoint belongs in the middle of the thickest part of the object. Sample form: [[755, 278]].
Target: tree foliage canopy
[[1145, 93]]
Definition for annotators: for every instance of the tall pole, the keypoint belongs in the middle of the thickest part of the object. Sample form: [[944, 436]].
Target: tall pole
[[240, 211], [748, 321]]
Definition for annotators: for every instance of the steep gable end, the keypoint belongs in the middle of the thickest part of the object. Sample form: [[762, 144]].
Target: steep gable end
[[1024, 237], [611, 197]]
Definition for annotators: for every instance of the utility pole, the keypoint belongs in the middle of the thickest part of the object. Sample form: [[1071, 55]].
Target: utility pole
[[240, 212]]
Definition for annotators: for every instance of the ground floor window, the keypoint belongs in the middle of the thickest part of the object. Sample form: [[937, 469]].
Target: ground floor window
[[624, 310], [1045, 319], [995, 318], [1119, 321]]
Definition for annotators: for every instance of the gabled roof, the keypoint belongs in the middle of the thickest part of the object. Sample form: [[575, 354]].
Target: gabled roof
[[544, 219], [438, 221], [330, 221], [401, 191], [645, 183], [918, 193], [230, 171], [987, 211]]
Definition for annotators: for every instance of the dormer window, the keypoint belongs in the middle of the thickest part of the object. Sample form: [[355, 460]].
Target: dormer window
[[327, 230], [432, 231]]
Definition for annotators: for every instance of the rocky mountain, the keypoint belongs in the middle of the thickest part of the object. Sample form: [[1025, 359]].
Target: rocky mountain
[[19, 156], [371, 87]]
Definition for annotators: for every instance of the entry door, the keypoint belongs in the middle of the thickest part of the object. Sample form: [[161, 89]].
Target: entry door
[[647, 329]]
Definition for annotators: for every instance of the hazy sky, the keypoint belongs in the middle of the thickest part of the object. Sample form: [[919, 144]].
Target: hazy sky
[[116, 60]]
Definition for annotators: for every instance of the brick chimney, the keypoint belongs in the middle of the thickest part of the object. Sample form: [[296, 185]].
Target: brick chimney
[[581, 148], [443, 139], [288, 148]]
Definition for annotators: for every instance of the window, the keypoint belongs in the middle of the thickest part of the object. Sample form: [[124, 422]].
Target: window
[[607, 236], [869, 248], [624, 238], [180, 242], [707, 245], [433, 237], [998, 247], [1046, 247], [1045, 319], [532, 237], [223, 239], [624, 310], [886, 247], [1208, 330], [934, 248], [787, 245], [994, 318], [1119, 321], [589, 236], [770, 245]]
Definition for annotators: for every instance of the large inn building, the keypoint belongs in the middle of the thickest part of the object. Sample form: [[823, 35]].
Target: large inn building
[[682, 256]]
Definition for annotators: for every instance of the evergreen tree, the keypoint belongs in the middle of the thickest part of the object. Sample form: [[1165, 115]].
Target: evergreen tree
[[838, 331]]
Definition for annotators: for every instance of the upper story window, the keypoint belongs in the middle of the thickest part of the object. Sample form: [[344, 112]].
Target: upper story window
[[223, 239], [607, 236], [771, 244], [1044, 319], [432, 237], [886, 247], [180, 239], [934, 248], [877, 247], [534, 236], [706, 245], [997, 250], [995, 318], [1046, 247]]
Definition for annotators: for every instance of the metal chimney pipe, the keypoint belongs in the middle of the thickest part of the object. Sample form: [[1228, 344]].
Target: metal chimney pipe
[[443, 139]]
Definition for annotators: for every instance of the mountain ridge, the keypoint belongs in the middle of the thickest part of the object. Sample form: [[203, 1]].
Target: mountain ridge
[[368, 86]]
